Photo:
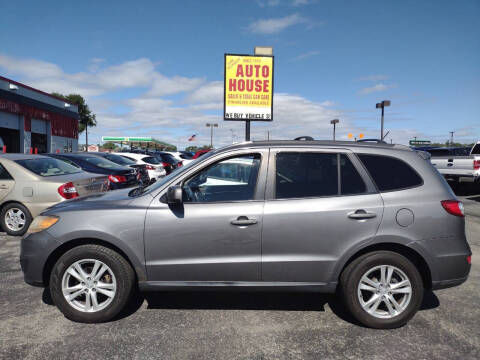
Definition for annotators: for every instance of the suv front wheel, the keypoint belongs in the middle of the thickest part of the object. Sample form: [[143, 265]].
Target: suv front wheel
[[91, 283], [382, 289]]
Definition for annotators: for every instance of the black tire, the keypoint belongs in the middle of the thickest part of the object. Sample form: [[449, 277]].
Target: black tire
[[123, 272], [350, 279], [28, 219]]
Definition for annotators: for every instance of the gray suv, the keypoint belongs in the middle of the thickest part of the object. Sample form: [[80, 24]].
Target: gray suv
[[375, 223]]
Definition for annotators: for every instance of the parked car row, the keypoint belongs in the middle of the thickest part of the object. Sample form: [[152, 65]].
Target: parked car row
[[31, 183]]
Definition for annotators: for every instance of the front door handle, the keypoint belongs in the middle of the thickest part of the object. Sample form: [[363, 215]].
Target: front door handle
[[243, 221], [2, 186], [361, 215]]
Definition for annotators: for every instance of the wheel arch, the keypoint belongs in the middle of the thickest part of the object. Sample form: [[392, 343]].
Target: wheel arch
[[414, 256], [66, 246]]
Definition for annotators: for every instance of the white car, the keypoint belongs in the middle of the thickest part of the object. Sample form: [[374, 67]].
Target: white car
[[181, 156], [154, 166]]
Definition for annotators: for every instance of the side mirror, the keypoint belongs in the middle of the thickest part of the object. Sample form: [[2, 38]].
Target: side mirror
[[174, 195]]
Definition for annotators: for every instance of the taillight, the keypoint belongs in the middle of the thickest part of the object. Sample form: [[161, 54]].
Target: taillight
[[180, 164], [164, 164], [150, 167], [469, 259], [117, 178], [454, 207], [476, 164], [68, 191]]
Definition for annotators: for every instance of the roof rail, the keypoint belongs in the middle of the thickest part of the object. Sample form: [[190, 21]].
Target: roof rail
[[305, 138], [377, 141]]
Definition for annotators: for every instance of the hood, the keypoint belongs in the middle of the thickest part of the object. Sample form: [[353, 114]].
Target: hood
[[109, 199]]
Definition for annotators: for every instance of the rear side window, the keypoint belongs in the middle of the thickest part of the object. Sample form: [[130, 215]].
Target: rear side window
[[48, 166], [4, 175], [151, 160], [304, 175], [390, 173], [476, 150]]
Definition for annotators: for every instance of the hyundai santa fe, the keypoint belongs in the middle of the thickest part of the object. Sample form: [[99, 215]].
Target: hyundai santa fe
[[374, 223]]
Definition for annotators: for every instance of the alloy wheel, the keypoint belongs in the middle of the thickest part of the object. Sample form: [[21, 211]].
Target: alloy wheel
[[89, 285], [384, 291]]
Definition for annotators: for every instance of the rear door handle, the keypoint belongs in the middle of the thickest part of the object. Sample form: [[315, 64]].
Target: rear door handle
[[243, 221], [361, 215]]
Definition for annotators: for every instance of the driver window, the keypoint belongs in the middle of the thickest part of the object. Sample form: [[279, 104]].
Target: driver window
[[232, 179]]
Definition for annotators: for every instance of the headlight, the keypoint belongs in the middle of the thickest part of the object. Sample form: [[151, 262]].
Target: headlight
[[41, 223]]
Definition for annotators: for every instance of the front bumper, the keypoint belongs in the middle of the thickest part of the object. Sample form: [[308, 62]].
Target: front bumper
[[34, 253]]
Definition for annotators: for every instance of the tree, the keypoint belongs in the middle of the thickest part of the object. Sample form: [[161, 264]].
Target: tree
[[196, 148], [87, 118], [109, 146]]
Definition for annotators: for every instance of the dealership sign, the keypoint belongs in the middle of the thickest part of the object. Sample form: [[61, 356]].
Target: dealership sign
[[248, 88]]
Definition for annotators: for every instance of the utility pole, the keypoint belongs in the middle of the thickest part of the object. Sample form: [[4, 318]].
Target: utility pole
[[382, 106], [451, 138], [334, 122], [86, 137], [211, 126], [268, 135]]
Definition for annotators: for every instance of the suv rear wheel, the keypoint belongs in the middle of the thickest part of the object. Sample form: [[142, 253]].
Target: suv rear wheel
[[382, 289], [91, 283]]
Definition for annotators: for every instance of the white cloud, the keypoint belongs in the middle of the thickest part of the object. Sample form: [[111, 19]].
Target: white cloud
[[209, 93], [373, 78], [305, 55], [376, 88], [300, 2], [149, 113], [268, 3], [275, 25]]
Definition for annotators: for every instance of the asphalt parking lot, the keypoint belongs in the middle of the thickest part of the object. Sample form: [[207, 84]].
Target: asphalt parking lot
[[218, 325]]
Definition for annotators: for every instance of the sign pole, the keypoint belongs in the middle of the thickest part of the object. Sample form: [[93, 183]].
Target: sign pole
[[247, 130]]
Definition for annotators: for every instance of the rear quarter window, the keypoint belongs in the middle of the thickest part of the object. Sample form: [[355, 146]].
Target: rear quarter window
[[390, 173], [4, 174]]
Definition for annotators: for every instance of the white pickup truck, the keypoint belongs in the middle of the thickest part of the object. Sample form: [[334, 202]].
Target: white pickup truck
[[457, 164]]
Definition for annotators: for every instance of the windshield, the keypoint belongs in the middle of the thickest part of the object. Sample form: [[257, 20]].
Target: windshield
[[48, 167], [121, 160], [100, 162]]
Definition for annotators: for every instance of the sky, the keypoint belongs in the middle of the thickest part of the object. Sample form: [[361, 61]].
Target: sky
[[155, 68]]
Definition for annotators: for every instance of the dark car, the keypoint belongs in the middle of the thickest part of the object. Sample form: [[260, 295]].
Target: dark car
[[119, 176], [168, 160], [124, 161]]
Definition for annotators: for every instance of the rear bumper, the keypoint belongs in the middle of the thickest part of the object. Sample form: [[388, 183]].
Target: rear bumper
[[445, 284], [34, 253]]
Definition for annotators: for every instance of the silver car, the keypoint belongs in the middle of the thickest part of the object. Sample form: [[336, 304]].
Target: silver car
[[374, 223], [31, 183]]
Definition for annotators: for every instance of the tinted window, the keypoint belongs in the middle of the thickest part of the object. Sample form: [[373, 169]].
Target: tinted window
[[351, 182], [232, 179], [119, 159], [48, 166], [476, 149], [169, 158], [306, 175], [100, 162], [390, 173], [4, 175], [151, 160]]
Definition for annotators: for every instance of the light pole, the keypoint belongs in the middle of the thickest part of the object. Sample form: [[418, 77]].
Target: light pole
[[334, 122], [451, 138], [211, 126], [382, 106]]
